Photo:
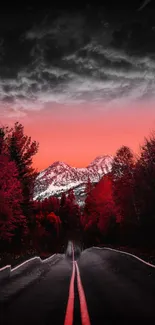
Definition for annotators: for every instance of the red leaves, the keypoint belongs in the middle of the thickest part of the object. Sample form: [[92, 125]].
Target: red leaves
[[99, 205], [16, 181], [53, 218], [10, 199]]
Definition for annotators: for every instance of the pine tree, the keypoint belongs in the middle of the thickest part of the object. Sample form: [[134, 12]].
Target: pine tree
[[63, 200], [63, 210], [123, 170], [21, 150], [54, 220], [145, 188], [69, 213], [88, 186], [100, 207], [13, 224], [2, 135], [71, 196]]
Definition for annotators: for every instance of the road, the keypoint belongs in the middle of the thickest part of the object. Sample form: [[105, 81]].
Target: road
[[98, 286]]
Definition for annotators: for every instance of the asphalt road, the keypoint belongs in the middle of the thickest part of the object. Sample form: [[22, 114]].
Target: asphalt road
[[118, 288]]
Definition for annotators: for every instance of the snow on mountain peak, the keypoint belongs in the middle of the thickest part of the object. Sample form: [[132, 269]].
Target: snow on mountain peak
[[59, 163], [99, 160], [60, 177]]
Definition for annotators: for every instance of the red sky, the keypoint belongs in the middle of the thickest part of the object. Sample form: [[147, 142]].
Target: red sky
[[76, 135]]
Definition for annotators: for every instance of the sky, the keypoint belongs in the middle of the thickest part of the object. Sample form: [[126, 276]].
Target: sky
[[80, 80]]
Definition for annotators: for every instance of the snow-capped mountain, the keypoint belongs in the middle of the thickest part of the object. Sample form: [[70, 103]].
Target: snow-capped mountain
[[60, 177]]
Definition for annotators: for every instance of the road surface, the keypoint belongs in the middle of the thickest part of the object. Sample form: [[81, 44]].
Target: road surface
[[96, 287]]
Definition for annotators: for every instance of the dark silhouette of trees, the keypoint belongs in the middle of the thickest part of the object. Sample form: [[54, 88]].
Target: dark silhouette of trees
[[123, 172], [89, 186], [13, 225], [63, 213], [70, 214], [145, 190]]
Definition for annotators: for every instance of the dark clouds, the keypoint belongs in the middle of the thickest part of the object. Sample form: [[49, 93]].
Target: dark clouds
[[75, 57]]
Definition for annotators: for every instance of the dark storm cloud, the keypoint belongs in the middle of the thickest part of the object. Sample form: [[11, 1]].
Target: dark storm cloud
[[144, 4], [77, 58]]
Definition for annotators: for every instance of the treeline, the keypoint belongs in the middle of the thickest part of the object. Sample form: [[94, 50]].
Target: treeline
[[120, 209], [26, 224], [17, 177], [56, 221]]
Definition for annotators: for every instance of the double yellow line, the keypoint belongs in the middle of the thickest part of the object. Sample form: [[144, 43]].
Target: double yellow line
[[69, 316]]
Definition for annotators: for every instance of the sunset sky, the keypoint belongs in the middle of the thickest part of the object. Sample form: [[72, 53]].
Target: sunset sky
[[82, 82]]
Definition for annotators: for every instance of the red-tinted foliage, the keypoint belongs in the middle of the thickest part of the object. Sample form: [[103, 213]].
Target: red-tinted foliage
[[99, 206], [21, 150], [11, 218], [55, 220]]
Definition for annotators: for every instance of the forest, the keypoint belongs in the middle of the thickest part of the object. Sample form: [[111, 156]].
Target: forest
[[119, 210]]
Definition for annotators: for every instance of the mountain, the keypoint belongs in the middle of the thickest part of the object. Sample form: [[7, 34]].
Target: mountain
[[60, 177]]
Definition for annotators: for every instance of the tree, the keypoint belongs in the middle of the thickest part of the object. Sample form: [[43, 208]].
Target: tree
[[50, 204], [39, 234], [74, 214], [70, 214], [54, 220], [123, 169], [89, 186], [105, 204], [21, 150], [88, 204], [99, 212], [145, 188], [2, 141], [62, 210], [71, 196], [13, 225]]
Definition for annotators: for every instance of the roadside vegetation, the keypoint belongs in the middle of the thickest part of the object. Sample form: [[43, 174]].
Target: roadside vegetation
[[119, 211]]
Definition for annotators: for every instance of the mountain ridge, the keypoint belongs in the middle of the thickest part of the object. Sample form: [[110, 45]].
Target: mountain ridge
[[59, 177]]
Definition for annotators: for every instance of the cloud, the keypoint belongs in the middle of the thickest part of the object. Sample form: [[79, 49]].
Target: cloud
[[145, 2], [69, 63], [81, 80], [66, 24]]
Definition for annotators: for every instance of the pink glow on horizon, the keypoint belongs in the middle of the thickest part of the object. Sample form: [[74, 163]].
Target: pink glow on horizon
[[76, 135]]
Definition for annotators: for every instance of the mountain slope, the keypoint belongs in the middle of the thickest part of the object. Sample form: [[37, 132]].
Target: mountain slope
[[60, 177]]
